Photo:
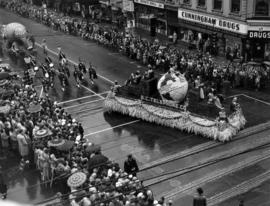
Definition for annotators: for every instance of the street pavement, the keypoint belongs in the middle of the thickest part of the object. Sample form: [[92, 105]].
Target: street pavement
[[173, 162]]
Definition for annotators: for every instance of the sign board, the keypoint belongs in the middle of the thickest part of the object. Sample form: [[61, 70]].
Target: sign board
[[150, 3], [128, 5], [259, 34], [213, 21]]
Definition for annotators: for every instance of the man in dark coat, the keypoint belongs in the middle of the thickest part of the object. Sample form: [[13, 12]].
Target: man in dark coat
[[131, 166], [199, 200]]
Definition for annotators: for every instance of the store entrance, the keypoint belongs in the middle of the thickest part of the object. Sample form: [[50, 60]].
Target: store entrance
[[258, 50]]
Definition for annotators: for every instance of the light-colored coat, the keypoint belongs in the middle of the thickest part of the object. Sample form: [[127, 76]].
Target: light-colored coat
[[23, 145]]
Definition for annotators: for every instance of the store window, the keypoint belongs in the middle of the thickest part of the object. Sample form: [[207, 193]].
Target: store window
[[201, 3], [217, 4], [262, 8], [235, 6]]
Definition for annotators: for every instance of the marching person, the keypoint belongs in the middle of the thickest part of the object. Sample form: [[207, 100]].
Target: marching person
[[63, 79], [131, 166], [46, 84], [61, 55], [78, 76], [92, 73], [48, 60], [44, 47], [51, 72], [82, 66]]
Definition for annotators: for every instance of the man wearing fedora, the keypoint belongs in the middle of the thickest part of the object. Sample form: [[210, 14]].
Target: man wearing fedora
[[200, 199]]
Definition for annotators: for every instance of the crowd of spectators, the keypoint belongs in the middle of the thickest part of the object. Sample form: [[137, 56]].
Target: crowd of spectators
[[107, 183], [152, 54]]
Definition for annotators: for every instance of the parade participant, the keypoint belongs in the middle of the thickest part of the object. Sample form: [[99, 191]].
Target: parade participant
[[51, 72], [61, 55], [63, 79], [130, 79], [201, 92], [48, 60], [82, 66], [46, 83], [197, 82], [27, 79], [78, 76], [66, 69], [44, 47], [44, 69], [222, 116], [130, 165], [27, 61], [234, 105], [115, 87], [138, 77], [92, 73]]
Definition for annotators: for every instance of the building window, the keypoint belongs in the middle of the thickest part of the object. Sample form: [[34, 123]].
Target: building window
[[262, 8], [186, 1], [217, 4], [201, 3], [236, 5]]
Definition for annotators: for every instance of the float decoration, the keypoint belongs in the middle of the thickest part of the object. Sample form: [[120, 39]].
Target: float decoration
[[179, 119]]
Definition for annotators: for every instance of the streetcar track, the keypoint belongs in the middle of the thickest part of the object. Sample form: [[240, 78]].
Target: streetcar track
[[84, 110], [201, 148], [188, 188]]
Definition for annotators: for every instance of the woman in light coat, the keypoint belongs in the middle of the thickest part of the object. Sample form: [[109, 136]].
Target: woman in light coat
[[23, 144]]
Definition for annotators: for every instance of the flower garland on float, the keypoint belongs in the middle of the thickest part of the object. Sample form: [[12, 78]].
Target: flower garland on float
[[182, 120]]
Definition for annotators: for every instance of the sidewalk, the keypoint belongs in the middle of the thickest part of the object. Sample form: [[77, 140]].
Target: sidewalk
[[180, 45], [164, 40]]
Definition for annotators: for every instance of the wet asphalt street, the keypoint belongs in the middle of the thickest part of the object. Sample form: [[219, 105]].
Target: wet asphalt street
[[158, 150]]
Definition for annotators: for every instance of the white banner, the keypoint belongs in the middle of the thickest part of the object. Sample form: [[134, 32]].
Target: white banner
[[150, 3], [213, 21]]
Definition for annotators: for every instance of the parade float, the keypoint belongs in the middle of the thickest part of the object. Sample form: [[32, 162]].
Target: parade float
[[17, 41], [165, 103]]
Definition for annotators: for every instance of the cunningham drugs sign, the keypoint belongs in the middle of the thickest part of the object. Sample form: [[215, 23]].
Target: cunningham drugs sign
[[216, 22]]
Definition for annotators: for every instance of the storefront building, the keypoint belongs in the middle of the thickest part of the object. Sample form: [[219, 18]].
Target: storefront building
[[200, 30], [258, 43], [258, 20], [150, 16]]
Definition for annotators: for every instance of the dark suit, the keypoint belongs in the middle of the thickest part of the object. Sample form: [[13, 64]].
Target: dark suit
[[131, 167], [199, 201]]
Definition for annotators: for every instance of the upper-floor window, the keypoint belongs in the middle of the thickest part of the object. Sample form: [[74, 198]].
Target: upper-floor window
[[217, 4], [262, 8], [201, 3], [235, 6]]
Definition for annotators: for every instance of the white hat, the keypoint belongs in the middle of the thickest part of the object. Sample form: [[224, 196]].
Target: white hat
[[140, 195]]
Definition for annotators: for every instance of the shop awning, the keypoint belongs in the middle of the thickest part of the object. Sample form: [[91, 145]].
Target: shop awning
[[203, 28]]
